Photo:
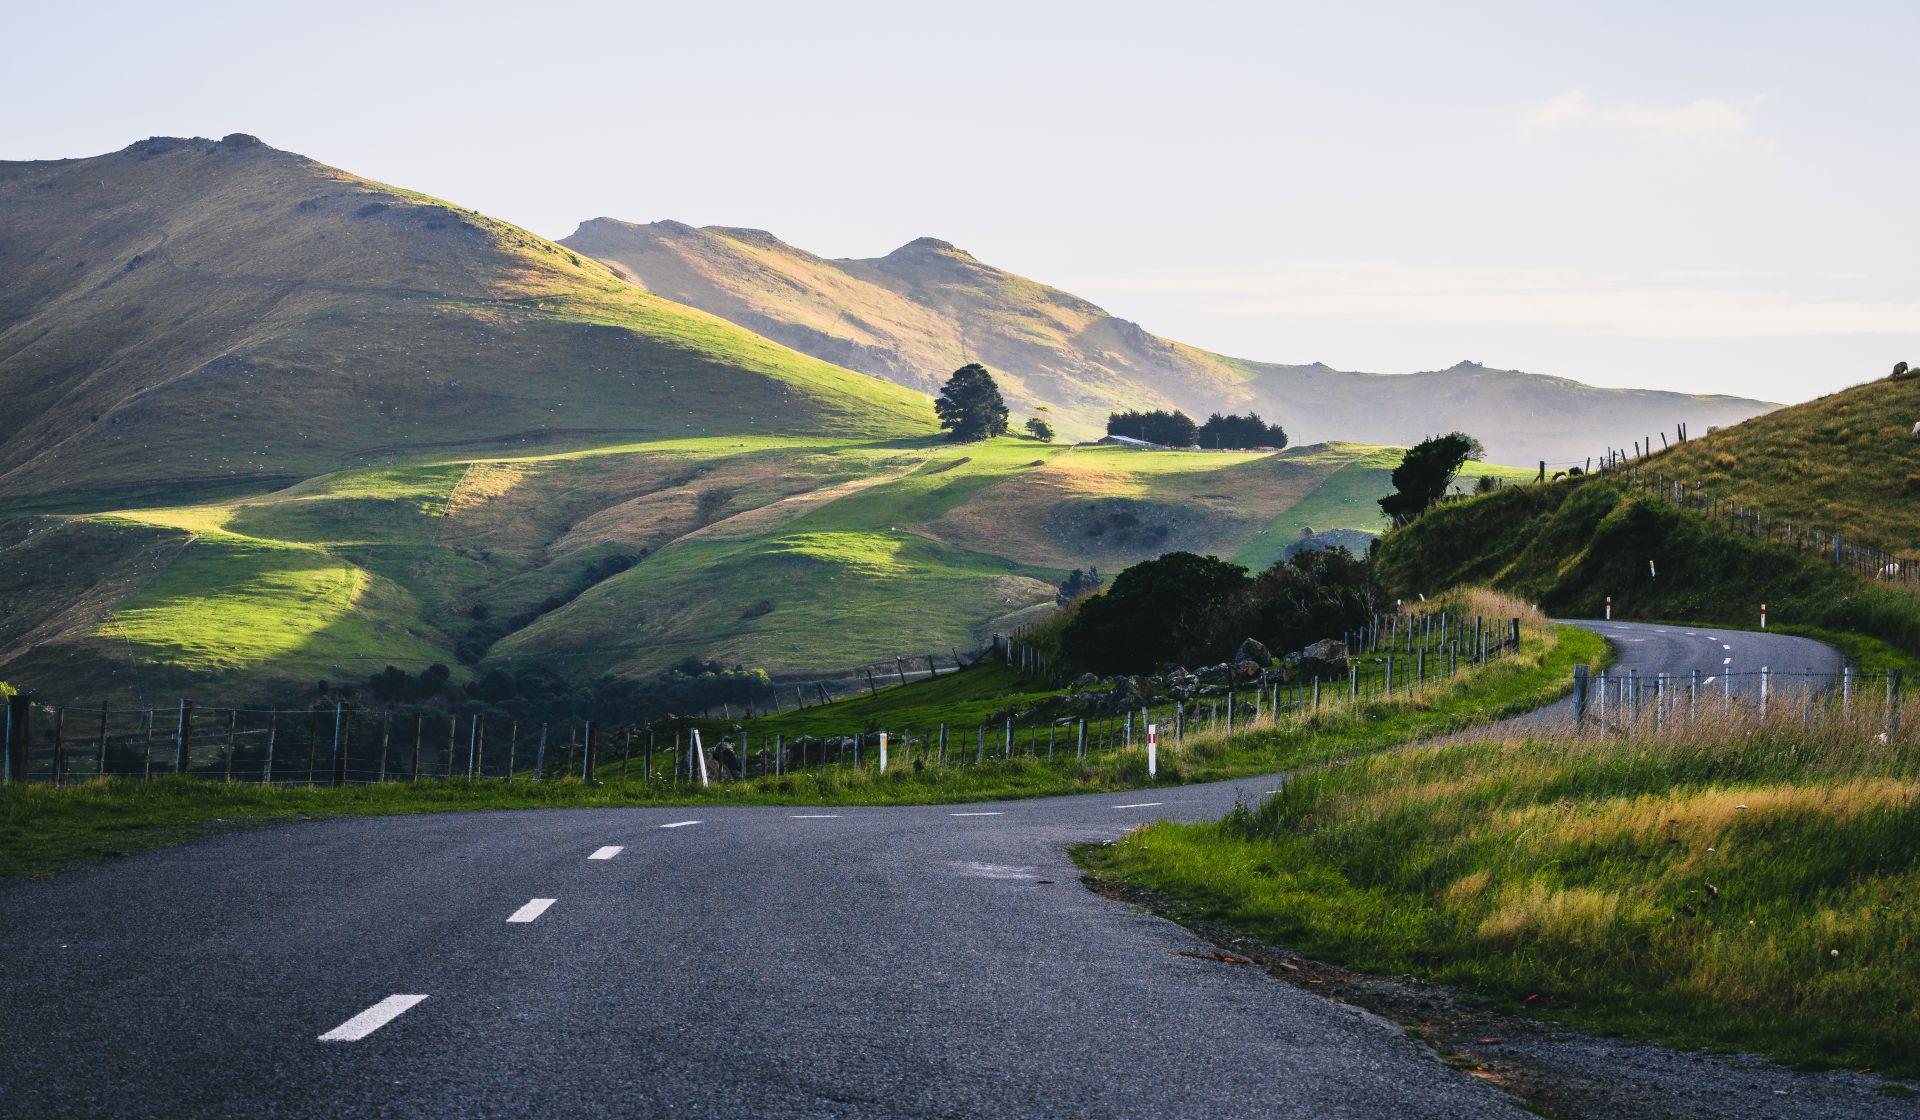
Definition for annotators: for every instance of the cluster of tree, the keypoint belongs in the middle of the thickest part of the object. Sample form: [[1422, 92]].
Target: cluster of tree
[[1177, 429], [1194, 610], [970, 406], [1169, 429], [1425, 472], [1221, 432], [1039, 429]]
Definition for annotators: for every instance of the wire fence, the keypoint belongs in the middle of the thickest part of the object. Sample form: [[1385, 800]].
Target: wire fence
[[342, 744], [1630, 699], [1751, 521]]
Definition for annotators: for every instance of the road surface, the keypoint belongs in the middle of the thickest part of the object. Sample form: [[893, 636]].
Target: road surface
[[937, 961]]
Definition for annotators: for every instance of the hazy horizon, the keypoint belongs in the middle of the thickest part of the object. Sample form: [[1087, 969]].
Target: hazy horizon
[[1713, 200]]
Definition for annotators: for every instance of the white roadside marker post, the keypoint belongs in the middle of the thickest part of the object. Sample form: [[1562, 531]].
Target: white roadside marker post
[[883, 752], [700, 757], [1609, 608], [1763, 616], [1153, 749]]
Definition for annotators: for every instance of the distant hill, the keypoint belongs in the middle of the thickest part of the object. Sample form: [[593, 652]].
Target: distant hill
[[194, 312], [919, 312]]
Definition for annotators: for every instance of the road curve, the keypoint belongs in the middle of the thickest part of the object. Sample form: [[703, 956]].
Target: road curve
[[927, 961]]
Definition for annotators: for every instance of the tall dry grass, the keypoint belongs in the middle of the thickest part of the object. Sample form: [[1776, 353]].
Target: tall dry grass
[[1732, 879]]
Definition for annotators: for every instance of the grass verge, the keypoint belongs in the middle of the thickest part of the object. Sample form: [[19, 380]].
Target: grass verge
[[43, 830], [1740, 884]]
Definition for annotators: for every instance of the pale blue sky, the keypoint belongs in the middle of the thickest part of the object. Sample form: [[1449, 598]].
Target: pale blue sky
[[1717, 197]]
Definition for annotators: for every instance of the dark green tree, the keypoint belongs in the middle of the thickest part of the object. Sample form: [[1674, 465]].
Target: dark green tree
[[1425, 472], [1169, 429], [1039, 429], [1179, 607], [1241, 431], [970, 405]]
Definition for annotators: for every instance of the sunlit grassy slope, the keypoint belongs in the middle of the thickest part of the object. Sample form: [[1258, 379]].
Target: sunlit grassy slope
[[188, 313], [803, 556], [1846, 463]]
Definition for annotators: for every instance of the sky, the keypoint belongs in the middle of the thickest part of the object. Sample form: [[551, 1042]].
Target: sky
[[1699, 196]]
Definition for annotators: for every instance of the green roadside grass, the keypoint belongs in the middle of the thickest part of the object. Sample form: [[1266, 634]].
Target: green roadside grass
[[1741, 884], [43, 830]]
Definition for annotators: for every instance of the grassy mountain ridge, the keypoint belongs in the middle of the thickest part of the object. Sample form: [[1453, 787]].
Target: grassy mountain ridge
[[196, 311], [919, 312]]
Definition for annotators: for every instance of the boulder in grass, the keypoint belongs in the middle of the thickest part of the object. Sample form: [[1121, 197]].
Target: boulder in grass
[[1323, 659], [1253, 649]]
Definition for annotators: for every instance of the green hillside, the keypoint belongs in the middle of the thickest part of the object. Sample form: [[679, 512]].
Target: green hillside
[[1569, 545], [191, 313], [1846, 463], [804, 557], [286, 425]]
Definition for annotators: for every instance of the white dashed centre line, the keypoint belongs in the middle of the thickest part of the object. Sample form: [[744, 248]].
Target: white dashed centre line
[[1725, 646], [679, 824], [1140, 805], [372, 1019], [531, 910], [973, 814], [607, 852], [1711, 679], [815, 816], [1726, 661]]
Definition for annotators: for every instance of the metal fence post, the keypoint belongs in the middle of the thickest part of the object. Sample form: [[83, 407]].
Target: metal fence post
[[1579, 695], [339, 748], [1765, 680], [586, 754], [100, 765], [1893, 700], [273, 729], [59, 744], [183, 739]]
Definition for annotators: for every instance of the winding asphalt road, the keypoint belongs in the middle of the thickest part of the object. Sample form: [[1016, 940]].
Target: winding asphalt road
[[938, 961]]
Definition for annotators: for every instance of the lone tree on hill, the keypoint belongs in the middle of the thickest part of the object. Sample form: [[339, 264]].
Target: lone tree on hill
[[970, 405], [1039, 429], [1425, 472]]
